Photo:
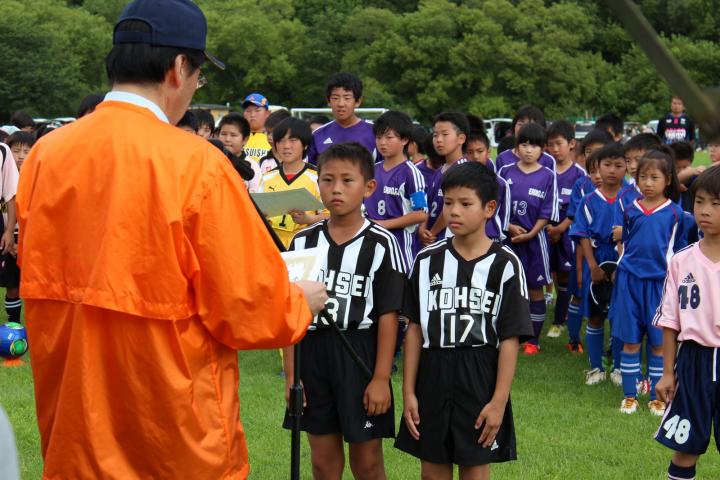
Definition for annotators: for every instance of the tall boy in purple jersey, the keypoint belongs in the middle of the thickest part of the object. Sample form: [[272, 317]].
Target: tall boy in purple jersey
[[399, 202], [527, 114], [561, 142], [533, 193], [450, 132], [344, 94]]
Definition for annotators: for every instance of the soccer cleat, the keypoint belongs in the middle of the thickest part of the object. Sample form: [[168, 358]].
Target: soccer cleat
[[616, 377], [629, 405], [575, 347], [548, 298], [531, 349], [555, 331], [594, 376], [657, 407], [643, 386]]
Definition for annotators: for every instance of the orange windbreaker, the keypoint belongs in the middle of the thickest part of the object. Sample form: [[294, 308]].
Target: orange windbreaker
[[144, 268]]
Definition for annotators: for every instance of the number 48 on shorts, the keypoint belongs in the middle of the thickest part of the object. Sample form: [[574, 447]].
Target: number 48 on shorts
[[677, 429]]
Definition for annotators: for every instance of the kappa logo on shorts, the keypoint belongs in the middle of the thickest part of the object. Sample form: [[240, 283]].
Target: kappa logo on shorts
[[436, 280], [495, 446], [328, 141], [689, 279], [368, 424]]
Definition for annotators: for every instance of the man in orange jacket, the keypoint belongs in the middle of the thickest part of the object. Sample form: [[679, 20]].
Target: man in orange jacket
[[145, 267]]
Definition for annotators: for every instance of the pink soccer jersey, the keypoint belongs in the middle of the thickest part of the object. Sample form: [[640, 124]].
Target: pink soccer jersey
[[691, 298]]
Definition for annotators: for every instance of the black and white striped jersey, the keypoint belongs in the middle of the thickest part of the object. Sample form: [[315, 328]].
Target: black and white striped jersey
[[365, 276], [461, 303]]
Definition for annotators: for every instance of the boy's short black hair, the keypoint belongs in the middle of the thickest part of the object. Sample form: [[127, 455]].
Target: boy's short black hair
[[611, 121], [21, 138], [436, 160], [532, 113], [142, 63], [321, 119], [189, 120], [88, 104], [22, 120], [708, 182], [562, 129], [479, 136], [205, 118], [3, 135], [506, 143], [475, 122], [642, 141], [393, 120], [596, 136], [591, 161], [683, 151], [234, 118], [532, 133], [275, 118], [348, 81], [459, 120], [420, 136], [296, 128], [354, 153], [475, 176], [611, 150]]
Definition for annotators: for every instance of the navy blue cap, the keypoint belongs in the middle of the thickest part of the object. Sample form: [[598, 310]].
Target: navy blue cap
[[173, 23]]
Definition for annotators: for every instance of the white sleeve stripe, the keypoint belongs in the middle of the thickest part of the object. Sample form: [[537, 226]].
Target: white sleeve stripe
[[396, 254]]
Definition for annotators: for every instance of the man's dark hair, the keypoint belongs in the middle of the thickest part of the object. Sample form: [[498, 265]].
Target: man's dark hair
[[205, 118], [596, 136], [532, 133], [611, 121], [562, 129], [234, 118], [189, 120], [642, 141], [352, 152], [459, 121], [530, 112], [22, 120], [475, 176], [708, 182], [141, 63], [392, 120], [21, 138], [296, 128], [88, 104], [683, 151], [345, 80], [611, 150], [321, 119], [275, 118]]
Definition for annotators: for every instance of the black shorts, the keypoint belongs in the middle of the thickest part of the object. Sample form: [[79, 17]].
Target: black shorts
[[695, 409], [335, 386], [9, 271], [453, 386]]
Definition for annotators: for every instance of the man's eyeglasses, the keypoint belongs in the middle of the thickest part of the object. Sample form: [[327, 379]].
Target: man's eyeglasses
[[202, 81]]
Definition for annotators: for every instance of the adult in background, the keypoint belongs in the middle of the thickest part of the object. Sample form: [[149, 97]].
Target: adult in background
[[676, 126], [145, 268]]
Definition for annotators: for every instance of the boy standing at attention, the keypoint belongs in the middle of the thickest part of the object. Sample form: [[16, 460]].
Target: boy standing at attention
[[399, 202], [468, 307], [256, 110], [688, 314], [365, 277], [344, 95]]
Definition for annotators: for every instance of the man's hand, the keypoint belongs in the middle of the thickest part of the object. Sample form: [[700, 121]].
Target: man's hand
[[315, 294], [6, 242], [377, 397]]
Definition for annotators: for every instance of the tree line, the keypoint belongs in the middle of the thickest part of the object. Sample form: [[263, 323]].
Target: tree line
[[570, 57]]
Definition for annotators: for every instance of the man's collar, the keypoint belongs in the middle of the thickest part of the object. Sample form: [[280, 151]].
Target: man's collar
[[138, 100]]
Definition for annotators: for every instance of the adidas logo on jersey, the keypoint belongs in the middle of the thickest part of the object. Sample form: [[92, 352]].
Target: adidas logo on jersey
[[327, 141], [540, 278], [368, 424], [689, 279], [436, 280]]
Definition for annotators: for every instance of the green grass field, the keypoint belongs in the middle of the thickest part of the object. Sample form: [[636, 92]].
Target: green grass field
[[564, 429]]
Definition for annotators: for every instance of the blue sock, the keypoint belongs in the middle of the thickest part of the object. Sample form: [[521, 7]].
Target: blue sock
[[574, 322], [594, 339], [629, 367], [681, 473], [617, 347], [655, 371], [537, 315], [561, 305]]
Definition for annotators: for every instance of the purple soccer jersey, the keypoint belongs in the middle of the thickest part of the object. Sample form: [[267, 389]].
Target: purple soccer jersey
[[508, 157], [565, 183], [399, 191], [427, 173], [497, 225], [332, 133]]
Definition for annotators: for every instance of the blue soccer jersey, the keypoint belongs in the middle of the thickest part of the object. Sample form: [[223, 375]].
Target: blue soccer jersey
[[565, 183], [399, 191], [508, 157], [626, 196], [594, 221], [582, 187], [533, 195], [650, 238]]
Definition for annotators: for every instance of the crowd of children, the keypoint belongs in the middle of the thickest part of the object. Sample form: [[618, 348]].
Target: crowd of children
[[424, 230]]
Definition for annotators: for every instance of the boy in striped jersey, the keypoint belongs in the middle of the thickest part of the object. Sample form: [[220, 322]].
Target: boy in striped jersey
[[468, 307], [364, 271]]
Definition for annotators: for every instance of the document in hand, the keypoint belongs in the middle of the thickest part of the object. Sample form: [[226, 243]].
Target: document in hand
[[274, 204]]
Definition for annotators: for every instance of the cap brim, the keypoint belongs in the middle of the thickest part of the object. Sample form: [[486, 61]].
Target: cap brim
[[214, 60]]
